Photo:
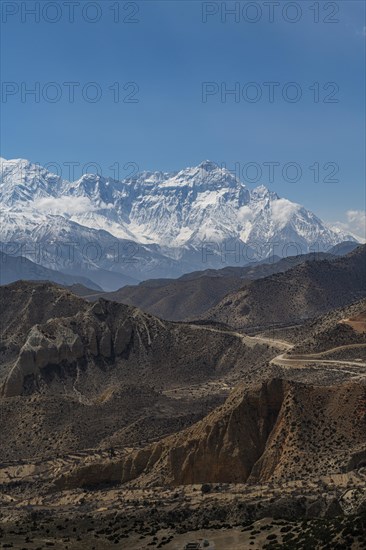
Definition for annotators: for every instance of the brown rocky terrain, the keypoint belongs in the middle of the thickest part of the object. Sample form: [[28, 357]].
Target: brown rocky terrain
[[303, 292], [123, 430], [291, 451], [228, 516], [357, 322], [279, 431], [193, 294], [341, 327], [90, 370], [175, 299]]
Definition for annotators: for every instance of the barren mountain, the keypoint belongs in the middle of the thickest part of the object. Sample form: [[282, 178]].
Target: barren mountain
[[343, 248], [344, 326], [61, 356], [194, 293], [119, 428], [174, 299], [303, 416], [16, 268], [300, 293], [278, 431]]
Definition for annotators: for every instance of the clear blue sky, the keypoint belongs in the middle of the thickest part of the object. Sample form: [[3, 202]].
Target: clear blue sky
[[169, 53]]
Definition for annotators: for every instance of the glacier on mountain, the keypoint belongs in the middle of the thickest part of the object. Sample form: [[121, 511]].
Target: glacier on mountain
[[161, 221]]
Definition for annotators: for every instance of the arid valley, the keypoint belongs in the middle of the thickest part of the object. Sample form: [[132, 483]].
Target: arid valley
[[123, 429]]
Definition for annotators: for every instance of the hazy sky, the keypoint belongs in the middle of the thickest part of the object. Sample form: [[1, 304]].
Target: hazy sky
[[296, 70]]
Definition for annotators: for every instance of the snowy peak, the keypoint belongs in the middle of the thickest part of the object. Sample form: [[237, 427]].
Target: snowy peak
[[207, 165], [96, 188], [171, 210], [261, 193], [204, 176], [22, 181]]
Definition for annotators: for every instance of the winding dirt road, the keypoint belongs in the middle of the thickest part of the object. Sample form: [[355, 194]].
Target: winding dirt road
[[296, 361]]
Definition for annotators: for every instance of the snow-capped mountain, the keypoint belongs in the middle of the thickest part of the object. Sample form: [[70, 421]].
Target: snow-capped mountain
[[154, 225]]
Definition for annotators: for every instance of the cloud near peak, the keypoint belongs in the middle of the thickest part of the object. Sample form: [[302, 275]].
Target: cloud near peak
[[68, 206], [355, 224]]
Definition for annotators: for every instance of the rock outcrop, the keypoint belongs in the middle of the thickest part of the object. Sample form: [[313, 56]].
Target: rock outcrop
[[278, 431], [48, 345], [104, 345]]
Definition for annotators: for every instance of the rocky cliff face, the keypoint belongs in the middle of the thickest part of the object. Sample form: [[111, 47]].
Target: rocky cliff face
[[225, 449], [56, 347], [64, 344], [279, 431], [57, 342], [105, 373]]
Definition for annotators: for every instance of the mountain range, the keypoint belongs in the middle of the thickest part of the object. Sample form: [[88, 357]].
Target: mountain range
[[156, 224], [16, 268], [122, 428], [192, 294], [308, 289]]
